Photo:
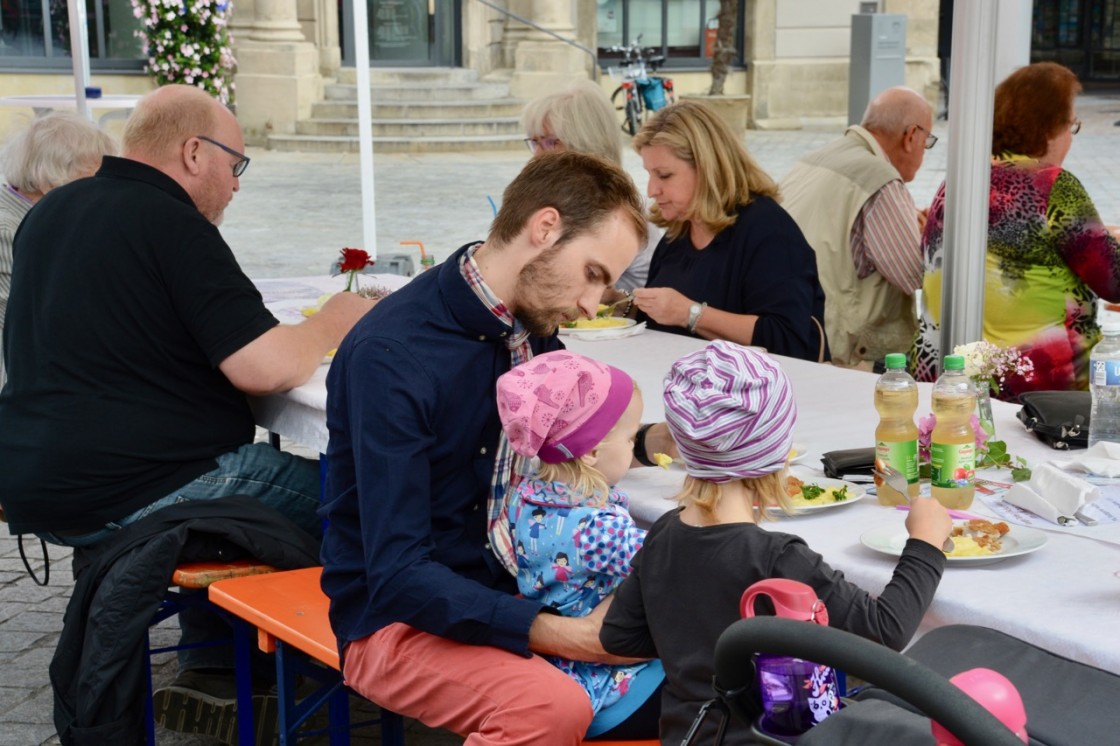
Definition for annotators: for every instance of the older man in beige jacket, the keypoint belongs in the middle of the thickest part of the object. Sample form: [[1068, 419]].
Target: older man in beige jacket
[[851, 202]]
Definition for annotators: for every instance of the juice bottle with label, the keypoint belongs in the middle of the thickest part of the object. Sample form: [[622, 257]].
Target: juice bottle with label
[[896, 437], [952, 442]]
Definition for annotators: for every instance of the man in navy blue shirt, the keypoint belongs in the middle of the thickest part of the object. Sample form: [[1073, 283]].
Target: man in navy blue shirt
[[425, 613]]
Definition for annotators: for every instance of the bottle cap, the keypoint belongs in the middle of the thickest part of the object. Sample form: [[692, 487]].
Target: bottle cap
[[954, 362], [894, 361]]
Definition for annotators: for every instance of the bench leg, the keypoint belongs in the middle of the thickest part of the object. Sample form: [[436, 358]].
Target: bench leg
[[243, 668]]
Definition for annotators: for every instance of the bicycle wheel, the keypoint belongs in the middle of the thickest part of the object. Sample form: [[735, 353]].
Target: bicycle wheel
[[619, 99], [633, 116]]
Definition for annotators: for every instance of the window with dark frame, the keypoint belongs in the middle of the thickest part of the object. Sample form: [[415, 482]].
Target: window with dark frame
[[35, 34], [683, 30]]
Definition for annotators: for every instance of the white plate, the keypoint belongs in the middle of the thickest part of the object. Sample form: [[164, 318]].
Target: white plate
[[891, 538], [605, 331], [855, 492], [799, 453]]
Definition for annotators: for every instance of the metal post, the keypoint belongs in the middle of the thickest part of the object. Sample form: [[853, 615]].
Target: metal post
[[968, 173], [365, 126], [79, 53]]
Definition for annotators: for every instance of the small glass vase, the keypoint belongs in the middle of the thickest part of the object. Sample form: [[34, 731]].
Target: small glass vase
[[984, 409]]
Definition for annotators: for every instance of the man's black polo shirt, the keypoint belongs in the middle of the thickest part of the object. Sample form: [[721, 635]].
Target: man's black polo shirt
[[124, 301]]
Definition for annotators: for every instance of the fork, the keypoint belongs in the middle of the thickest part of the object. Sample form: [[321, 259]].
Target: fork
[[896, 480]]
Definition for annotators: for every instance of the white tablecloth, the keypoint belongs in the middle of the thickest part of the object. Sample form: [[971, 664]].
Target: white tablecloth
[[1064, 597]]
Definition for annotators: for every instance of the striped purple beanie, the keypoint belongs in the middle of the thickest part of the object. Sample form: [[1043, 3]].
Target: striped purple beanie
[[731, 411]]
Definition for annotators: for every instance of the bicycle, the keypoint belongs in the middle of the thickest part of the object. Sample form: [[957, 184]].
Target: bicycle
[[640, 92]]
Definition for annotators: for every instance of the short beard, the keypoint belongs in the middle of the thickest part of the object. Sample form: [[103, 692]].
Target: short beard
[[538, 276]]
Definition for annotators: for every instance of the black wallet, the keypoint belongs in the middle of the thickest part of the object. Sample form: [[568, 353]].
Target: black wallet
[[851, 462], [1060, 419]]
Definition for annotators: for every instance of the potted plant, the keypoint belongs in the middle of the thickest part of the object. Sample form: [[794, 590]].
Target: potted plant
[[732, 108]]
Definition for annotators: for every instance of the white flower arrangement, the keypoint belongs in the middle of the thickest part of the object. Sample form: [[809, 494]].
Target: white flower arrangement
[[187, 41], [986, 363]]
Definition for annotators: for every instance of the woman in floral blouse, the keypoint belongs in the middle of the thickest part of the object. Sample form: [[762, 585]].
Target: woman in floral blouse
[[1049, 255]]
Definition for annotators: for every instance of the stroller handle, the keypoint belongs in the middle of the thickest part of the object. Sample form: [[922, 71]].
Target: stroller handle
[[930, 692]]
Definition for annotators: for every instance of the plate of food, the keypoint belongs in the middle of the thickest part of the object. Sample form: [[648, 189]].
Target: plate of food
[[598, 326], [811, 494], [976, 542]]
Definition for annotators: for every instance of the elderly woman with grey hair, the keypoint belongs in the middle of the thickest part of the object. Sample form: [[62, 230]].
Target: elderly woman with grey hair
[[51, 151], [582, 119]]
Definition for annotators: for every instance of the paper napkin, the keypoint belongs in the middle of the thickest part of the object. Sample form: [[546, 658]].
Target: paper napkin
[[1052, 494], [1103, 459]]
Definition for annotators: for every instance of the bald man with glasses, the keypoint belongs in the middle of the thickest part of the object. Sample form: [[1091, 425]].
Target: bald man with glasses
[[132, 340], [850, 200]]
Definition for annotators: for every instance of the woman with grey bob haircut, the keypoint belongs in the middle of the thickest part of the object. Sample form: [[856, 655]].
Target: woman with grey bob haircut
[[50, 151], [582, 119]]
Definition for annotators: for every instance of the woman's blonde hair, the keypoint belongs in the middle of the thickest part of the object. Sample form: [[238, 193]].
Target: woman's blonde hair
[[726, 176], [54, 150], [581, 117], [770, 489]]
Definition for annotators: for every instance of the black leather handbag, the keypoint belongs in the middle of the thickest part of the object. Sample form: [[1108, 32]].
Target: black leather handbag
[[848, 463], [1060, 419]]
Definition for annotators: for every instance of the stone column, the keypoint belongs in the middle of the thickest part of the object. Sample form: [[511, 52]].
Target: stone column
[[277, 72], [327, 27], [543, 63]]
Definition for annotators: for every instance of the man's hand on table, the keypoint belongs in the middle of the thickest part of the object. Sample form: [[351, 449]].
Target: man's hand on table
[[574, 638], [286, 355]]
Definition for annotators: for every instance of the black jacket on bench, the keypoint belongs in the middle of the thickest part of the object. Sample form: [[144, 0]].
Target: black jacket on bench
[[98, 669]]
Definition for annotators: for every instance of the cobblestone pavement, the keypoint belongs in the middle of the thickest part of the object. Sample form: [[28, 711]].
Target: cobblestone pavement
[[294, 213]]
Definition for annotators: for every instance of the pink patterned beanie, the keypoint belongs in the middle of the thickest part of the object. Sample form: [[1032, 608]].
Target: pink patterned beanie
[[561, 405], [731, 411]]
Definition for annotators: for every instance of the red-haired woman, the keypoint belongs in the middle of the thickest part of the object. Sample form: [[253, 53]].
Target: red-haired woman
[[1049, 256]]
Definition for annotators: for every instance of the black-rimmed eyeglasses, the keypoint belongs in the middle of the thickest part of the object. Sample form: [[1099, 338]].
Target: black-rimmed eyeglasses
[[239, 165], [1075, 126], [931, 139]]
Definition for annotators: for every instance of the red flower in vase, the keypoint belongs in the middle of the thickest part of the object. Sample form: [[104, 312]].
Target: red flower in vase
[[352, 262]]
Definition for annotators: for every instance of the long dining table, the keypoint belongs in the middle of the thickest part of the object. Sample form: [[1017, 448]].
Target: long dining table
[[1064, 597]]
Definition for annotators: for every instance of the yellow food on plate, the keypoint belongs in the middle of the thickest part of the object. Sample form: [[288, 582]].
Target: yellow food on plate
[[312, 310], [807, 493], [977, 537], [663, 460], [966, 546], [607, 322]]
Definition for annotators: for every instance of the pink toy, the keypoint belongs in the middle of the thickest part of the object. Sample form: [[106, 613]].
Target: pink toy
[[998, 696]]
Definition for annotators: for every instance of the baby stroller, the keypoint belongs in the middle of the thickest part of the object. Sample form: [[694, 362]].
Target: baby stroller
[[1067, 703]]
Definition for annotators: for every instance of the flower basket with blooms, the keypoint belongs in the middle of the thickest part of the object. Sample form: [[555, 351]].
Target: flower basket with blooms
[[187, 42]]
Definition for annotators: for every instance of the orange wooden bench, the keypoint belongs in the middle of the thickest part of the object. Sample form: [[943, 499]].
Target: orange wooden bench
[[290, 609]]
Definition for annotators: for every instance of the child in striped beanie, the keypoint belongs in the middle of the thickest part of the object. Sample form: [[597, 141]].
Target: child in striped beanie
[[731, 411]]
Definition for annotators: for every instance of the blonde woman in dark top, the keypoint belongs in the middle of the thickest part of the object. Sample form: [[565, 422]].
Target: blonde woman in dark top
[[733, 264]]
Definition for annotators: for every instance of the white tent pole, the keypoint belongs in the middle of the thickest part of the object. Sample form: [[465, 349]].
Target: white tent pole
[[79, 53], [365, 126], [968, 172]]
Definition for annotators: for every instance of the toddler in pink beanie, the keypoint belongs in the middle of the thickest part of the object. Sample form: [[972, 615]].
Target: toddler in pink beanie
[[571, 530], [731, 412]]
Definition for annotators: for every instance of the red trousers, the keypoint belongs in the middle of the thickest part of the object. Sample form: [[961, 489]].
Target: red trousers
[[488, 695]]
